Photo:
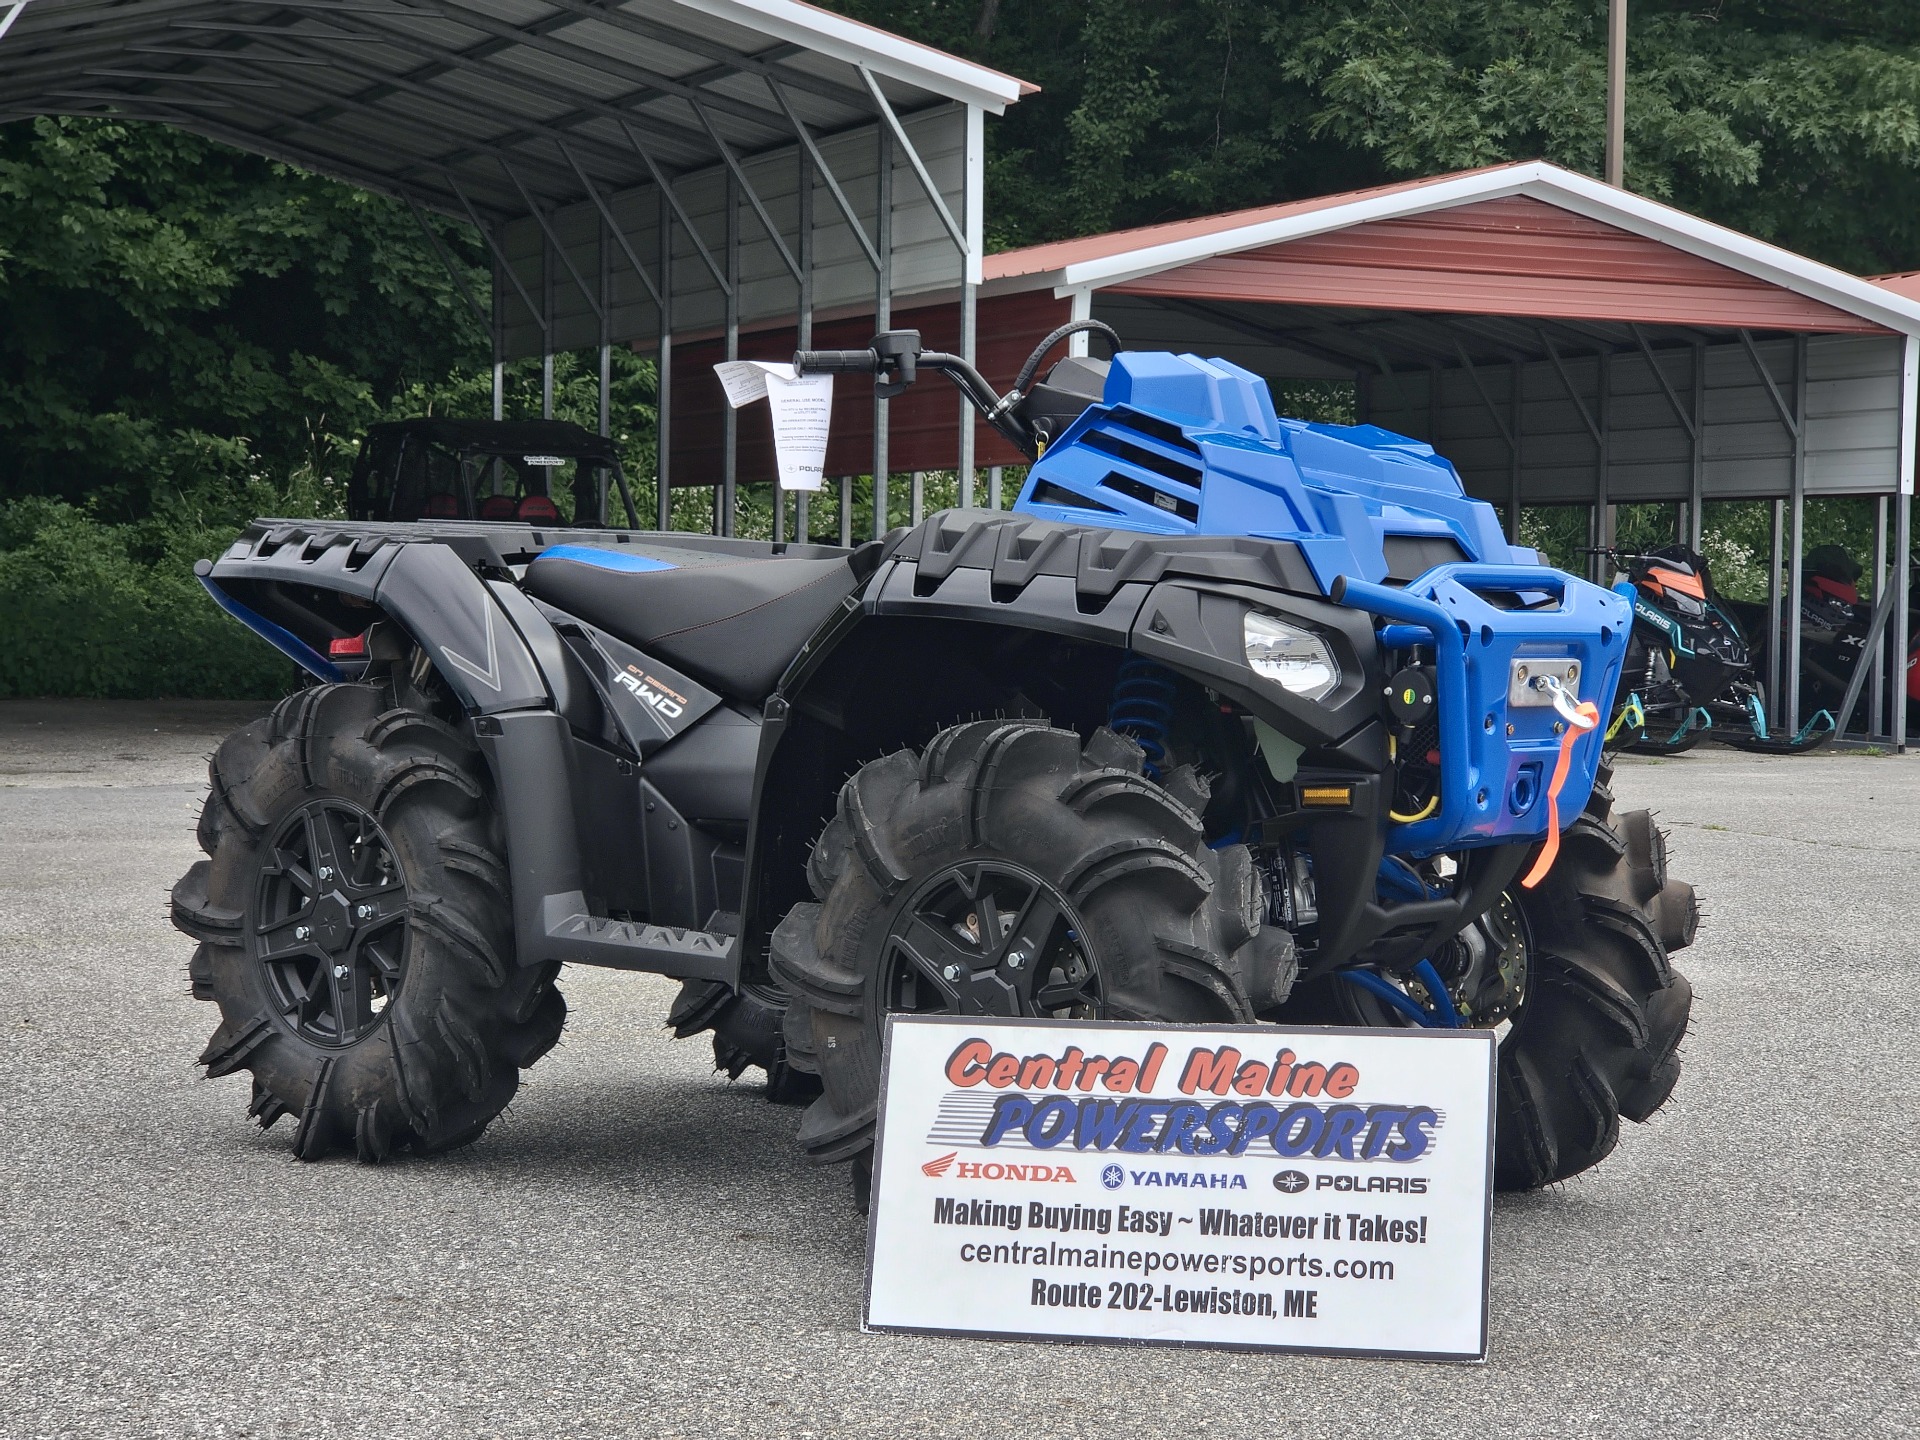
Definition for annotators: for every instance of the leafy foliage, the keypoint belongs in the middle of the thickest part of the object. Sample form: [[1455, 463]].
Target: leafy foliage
[[1799, 122]]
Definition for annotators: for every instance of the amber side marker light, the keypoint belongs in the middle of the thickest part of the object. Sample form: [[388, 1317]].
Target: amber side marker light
[[1329, 795]]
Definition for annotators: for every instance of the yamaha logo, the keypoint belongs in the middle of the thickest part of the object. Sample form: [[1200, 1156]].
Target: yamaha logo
[[1113, 1177], [1290, 1182]]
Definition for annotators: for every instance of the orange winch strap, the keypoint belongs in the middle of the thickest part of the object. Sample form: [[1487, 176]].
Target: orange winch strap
[[1550, 851]]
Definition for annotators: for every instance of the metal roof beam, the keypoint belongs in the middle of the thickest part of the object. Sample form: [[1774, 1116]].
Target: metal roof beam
[[1679, 411], [753, 196], [528, 130], [758, 64], [539, 213], [1586, 415], [453, 270], [1787, 417], [415, 82], [656, 85], [913, 158], [686, 220], [614, 227], [506, 265], [825, 172]]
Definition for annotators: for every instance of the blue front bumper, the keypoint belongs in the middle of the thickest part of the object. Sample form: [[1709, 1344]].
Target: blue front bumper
[[1496, 760]]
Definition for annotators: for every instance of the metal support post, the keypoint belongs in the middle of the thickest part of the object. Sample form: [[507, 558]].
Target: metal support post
[[663, 378], [803, 328], [606, 335], [497, 324], [546, 327], [1698, 503], [1877, 705], [1603, 515], [1513, 477], [969, 317], [726, 497], [1773, 604], [1902, 601], [918, 481], [994, 473], [882, 320], [1616, 92], [845, 484], [1795, 566]]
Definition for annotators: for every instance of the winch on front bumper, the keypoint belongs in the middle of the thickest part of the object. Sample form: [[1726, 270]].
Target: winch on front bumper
[[1490, 636]]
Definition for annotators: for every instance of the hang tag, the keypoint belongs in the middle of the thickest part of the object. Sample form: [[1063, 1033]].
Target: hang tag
[[802, 412]]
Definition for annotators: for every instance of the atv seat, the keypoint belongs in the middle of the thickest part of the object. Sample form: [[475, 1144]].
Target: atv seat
[[732, 624]]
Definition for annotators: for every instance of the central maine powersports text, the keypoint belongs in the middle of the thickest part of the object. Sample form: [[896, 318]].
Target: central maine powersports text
[[1309, 1190]]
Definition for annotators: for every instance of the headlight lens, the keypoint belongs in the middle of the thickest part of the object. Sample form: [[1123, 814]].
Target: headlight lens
[[1295, 659]]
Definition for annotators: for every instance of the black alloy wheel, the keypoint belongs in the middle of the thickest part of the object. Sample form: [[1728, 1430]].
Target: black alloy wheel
[[330, 922], [989, 937]]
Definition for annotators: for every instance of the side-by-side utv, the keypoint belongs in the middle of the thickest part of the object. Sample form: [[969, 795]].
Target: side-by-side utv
[[1233, 719]]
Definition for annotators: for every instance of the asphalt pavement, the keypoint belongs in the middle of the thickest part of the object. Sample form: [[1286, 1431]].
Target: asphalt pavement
[[638, 1248]]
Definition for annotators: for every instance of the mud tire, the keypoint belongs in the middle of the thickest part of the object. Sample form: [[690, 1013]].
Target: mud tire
[[1173, 929], [444, 1056], [749, 1030], [1598, 1040]]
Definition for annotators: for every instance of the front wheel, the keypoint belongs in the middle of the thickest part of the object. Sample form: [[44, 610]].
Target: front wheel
[[1577, 982], [354, 928], [1008, 870]]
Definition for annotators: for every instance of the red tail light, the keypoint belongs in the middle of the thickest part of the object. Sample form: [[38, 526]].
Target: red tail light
[[348, 647]]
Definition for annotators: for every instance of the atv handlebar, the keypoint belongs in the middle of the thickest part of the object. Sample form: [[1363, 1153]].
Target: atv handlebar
[[835, 362], [896, 357]]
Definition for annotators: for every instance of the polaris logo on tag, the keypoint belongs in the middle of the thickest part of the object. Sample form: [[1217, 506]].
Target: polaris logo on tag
[[1290, 1182]]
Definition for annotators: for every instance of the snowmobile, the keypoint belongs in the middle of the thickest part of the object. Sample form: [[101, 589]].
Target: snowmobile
[[1690, 672], [1233, 719]]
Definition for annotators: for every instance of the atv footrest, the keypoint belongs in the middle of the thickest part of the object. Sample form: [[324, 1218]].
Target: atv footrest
[[575, 935]]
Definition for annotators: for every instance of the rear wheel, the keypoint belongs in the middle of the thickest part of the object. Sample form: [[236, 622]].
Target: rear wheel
[[1007, 870], [354, 928], [1578, 984]]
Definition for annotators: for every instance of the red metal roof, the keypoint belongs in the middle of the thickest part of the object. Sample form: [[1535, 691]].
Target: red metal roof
[[1515, 256], [1905, 283], [1057, 254], [1512, 256]]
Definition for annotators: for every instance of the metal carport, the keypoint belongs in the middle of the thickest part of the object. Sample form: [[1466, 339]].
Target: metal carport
[[1560, 340], [641, 169]]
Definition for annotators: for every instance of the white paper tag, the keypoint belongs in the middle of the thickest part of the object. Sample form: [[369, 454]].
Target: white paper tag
[[802, 414], [1318, 1190]]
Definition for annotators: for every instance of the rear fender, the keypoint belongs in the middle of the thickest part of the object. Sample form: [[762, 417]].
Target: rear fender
[[299, 597]]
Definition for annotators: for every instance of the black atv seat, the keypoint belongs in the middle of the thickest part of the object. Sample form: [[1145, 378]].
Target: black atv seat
[[731, 623]]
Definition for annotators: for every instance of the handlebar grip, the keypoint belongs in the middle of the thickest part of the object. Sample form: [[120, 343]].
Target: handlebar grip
[[835, 362]]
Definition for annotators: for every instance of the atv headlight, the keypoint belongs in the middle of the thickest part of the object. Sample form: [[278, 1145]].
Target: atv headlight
[[1295, 659]]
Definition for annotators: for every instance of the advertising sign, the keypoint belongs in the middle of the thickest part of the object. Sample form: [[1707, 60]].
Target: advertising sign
[[1311, 1189]]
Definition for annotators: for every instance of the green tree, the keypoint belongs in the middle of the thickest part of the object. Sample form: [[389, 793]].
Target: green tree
[[176, 316]]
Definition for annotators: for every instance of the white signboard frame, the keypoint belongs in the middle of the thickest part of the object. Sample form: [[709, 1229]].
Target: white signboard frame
[[1021, 1192]]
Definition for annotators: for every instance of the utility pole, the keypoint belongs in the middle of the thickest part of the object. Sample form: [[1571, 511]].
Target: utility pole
[[1616, 91]]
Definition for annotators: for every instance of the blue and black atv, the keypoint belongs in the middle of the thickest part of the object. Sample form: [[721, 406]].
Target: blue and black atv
[[1234, 719]]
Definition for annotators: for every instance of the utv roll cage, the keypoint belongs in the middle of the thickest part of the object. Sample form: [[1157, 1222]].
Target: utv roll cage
[[492, 470]]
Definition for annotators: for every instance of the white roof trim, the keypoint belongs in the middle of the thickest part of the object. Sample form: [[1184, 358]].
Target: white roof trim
[[886, 54], [1579, 194]]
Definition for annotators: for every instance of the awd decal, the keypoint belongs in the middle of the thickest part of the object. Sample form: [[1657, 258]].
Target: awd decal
[[647, 690]]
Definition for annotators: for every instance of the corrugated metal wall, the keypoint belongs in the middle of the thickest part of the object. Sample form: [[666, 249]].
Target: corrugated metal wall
[[1853, 422]]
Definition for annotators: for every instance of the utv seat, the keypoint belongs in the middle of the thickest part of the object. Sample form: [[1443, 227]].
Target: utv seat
[[733, 624]]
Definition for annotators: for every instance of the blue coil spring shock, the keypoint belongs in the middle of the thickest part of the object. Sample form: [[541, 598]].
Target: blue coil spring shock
[[1142, 707]]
